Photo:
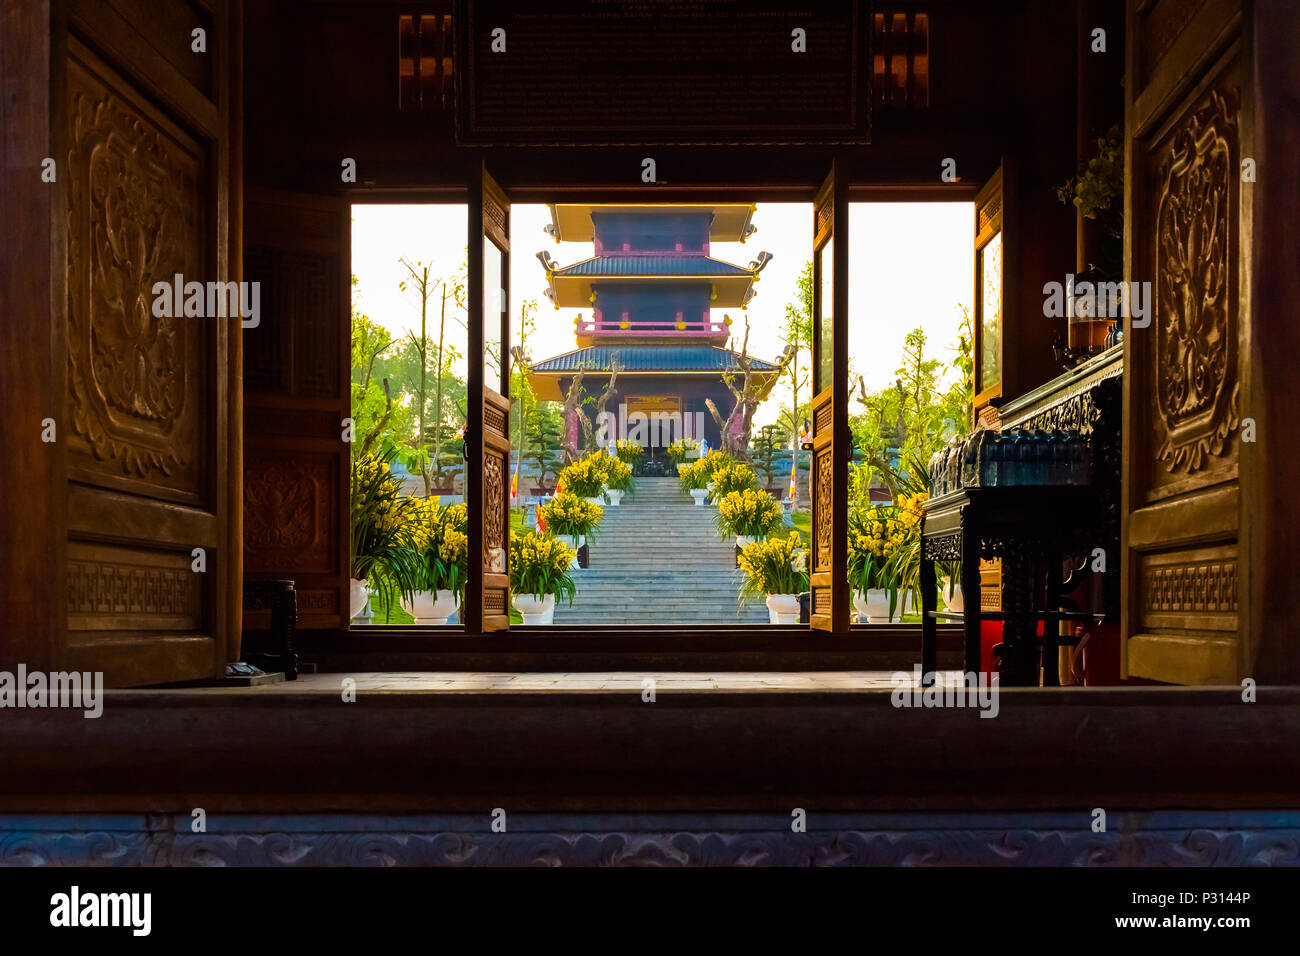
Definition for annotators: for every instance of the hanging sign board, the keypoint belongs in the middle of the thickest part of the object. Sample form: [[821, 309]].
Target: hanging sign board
[[623, 72]]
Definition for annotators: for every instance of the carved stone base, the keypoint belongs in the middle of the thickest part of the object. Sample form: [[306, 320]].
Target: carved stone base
[[1164, 838]]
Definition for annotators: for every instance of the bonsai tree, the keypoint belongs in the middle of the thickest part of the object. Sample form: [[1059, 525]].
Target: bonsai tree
[[543, 434], [766, 445]]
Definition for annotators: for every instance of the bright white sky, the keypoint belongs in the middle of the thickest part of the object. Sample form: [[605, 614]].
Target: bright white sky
[[911, 264]]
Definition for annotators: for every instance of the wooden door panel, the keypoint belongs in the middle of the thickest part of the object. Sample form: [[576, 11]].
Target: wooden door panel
[[487, 594], [296, 397], [1182, 620], [829, 460], [137, 384], [143, 177], [496, 511]]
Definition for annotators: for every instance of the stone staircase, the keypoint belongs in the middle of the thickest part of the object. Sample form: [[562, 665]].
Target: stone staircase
[[657, 559]]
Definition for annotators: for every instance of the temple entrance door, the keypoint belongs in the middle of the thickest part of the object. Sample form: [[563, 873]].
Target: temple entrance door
[[829, 444], [487, 441]]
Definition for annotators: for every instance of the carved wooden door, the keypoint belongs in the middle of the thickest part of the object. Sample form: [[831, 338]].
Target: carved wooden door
[[141, 137], [487, 441], [830, 445], [1185, 619], [296, 398]]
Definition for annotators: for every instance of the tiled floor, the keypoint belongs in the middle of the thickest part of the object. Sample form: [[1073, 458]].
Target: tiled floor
[[631, 681]]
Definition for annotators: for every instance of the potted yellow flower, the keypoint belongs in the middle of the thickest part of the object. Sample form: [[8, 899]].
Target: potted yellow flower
[[693, 478], [750, 515], [379, 540], [569, 516], [777, 570], [683, 449], [731, 476], [439, 537], [586, 477], [630, 453], [618, 480], [539, 573], [875, 533]]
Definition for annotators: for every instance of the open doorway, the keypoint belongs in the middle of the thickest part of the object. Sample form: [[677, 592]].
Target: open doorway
[[911, 375], [639, 337], [659, 381]]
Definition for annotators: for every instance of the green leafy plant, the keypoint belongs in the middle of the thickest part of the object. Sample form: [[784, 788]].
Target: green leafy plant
[[539, 565], [765, 448], [380, 544], [1097, 189]]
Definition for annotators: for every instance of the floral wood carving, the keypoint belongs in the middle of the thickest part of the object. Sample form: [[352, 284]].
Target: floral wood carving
[[822, 511], [286, 513], [494, 506], [134, 218], [1196, 350]]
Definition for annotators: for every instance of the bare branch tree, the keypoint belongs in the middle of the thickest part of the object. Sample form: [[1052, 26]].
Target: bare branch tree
[[749, 395]]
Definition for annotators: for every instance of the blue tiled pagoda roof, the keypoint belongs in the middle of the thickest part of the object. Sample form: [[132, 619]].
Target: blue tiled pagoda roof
[[667, 265], [651, 358]]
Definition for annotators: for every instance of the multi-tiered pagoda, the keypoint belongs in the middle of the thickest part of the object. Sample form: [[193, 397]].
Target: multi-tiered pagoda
[[652, 289]]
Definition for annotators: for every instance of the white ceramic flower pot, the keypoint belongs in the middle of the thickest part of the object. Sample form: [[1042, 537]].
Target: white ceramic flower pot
[[956, 602], [744, 539], [534, 609], [429, 607], [358, 595], [699, 494], [615, 496], [783, 608], [874, 607]]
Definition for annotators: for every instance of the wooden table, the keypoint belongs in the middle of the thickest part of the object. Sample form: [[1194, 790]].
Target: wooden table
[[1037, 523]]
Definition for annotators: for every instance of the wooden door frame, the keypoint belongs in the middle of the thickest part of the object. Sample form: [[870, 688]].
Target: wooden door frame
[[488, 220], [577, 638], [830, 432]]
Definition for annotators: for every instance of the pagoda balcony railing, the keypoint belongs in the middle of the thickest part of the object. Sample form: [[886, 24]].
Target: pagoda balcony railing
[[686, 329]]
